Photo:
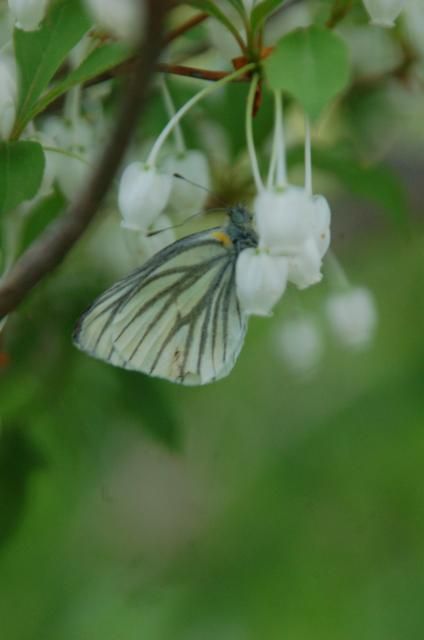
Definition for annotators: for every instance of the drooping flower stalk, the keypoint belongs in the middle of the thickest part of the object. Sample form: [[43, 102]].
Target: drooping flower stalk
[[171, 110], [249, 135], [308, 158], [153, 155], [277, 173]]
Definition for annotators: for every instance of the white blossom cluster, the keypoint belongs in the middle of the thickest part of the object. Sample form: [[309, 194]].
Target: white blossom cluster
[[294, 235], [292, 223]]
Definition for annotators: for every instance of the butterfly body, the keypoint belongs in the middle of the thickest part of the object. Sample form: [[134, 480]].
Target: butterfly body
[[177, 316]]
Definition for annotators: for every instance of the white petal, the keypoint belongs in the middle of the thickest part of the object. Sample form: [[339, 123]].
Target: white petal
[[300, 344], [283, 219], [261, 281], [321, 224], [384, 12], [28, 13], [352, 316], [305, 266], [120, 17], [185, 198], [8, 95], [143, 195]]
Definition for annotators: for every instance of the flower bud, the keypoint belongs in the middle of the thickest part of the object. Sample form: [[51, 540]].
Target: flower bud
[[300, 344], [121, 17], [143, 195], [261, 281], [384, 12], [352, 316], [8, 95], [28, 13], [185, 198]]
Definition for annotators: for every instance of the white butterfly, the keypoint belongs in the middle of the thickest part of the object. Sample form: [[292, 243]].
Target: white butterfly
[[178, 316]]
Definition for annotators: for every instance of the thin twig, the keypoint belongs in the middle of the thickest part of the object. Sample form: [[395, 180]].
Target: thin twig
[[186, 26], [48, 251]]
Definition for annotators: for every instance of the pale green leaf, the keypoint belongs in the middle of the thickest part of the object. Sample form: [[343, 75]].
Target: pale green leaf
[[312, 65]]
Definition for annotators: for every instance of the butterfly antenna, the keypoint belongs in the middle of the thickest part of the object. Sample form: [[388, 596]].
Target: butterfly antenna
[[200, 186]]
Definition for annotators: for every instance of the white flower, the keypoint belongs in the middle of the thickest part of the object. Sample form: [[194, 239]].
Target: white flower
[[143, 195], [300, 344], [28, 13], [8, 95], [384, 12], [185, 198], [121, 17], [305, 266], [261, 281], [352, 316], [76, 140], [143, 246], [293, 224]]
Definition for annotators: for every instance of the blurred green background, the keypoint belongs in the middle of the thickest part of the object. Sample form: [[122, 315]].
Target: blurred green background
[[268, 505]]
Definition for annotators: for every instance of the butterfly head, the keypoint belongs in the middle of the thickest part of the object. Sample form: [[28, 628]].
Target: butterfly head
[[240, 228]]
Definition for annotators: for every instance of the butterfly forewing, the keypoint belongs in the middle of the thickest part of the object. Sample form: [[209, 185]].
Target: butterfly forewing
[[177, 317]]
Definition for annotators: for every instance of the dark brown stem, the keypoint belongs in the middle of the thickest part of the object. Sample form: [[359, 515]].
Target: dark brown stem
[[339, 11], [186, 26], [48, 251], [195, 72]]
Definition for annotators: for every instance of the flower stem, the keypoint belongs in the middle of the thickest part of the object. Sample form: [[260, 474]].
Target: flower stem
[[152, 158], [170, 107], [308, 158], [278, 157], [249, 134]]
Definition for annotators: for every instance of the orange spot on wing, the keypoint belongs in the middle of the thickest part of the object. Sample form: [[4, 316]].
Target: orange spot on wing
[[223, 238]]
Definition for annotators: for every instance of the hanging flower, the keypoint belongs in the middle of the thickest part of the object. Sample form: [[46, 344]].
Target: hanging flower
[[383, 13], [185, 198], [294, 224], [28, 13], [76, 147], [300, 344], [143, 195], [8, 95], [122, 18], [261, 281], [352, 316]]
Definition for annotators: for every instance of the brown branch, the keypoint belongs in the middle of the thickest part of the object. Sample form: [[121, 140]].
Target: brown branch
[[195, 72], [48, 251], [186, 26]]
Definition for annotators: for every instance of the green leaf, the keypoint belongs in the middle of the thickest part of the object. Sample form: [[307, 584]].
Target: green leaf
[[312, 65], [40, 217], [378, 184], [98, 62], [40, 54], [261, 12], [210, 7], [21, 172], [238, 6], [19, 459]]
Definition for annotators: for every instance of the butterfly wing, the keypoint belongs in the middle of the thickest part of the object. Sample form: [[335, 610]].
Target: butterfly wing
[[177, 317]]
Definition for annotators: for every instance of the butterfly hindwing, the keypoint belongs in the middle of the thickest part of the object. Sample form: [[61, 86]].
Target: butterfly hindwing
[[177, 317]]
